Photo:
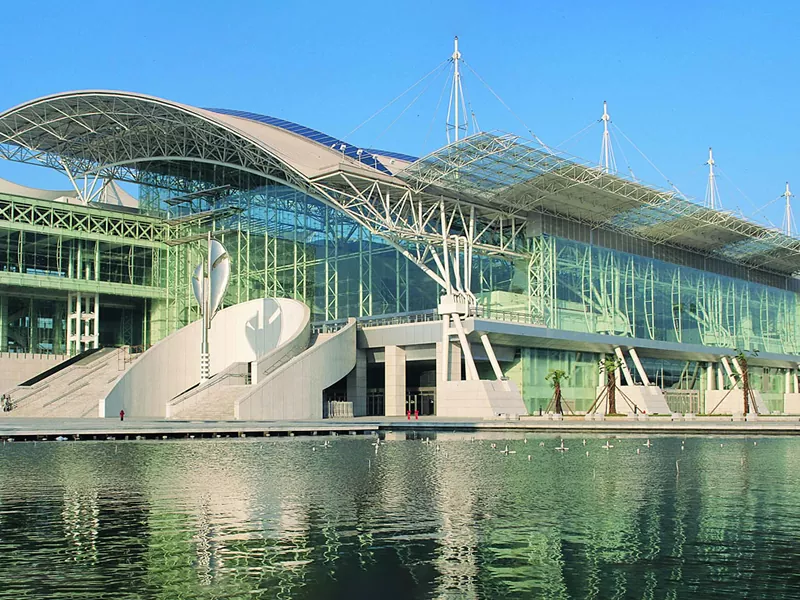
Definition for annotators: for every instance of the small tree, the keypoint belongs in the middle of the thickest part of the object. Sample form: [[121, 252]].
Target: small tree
[[555, 377], [741, 359], [610, 366]]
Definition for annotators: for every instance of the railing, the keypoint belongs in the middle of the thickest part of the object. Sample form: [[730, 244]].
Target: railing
[[423, 316], [495, 314], [127, 354], [683, 401], [326, 327]]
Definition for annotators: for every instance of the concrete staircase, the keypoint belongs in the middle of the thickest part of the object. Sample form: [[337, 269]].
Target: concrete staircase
[[216, 399], [215, 406], [72, 392]]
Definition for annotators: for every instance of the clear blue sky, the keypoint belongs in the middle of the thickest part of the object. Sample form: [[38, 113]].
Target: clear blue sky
[[678, 76]]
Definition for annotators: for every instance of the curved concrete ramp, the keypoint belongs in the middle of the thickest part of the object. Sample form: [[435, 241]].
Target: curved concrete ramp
[[243, 333], [294, 390]]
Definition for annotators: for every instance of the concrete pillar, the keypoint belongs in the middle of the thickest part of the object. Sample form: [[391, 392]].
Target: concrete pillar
[[58, 333], [395, 386], [709, 376], [96, 265], [720, 377], [96, 322], [787, 385], [3, 323], [357, 385], [33, 331], [453, 353]]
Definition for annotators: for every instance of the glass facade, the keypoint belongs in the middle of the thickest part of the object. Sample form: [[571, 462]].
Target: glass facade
[[285, 243], [606, 291], [595, 289], [51, 249]]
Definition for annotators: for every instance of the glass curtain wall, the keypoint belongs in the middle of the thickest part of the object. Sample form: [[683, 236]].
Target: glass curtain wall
[[592, 289], [606, 291], [284, 243]]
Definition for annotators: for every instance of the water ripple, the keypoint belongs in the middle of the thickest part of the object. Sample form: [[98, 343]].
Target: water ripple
[[281, 519]]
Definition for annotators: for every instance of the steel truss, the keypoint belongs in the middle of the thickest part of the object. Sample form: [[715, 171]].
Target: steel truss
[[519, 177], [148, 141], [475, 196], [77, 221]]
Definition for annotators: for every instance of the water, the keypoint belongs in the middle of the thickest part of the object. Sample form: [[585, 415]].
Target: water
[[272, 518]]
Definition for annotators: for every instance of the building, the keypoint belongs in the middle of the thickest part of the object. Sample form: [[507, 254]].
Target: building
[[472, 272]]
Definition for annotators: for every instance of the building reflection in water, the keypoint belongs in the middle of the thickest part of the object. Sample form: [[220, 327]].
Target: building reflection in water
[[276, 518]]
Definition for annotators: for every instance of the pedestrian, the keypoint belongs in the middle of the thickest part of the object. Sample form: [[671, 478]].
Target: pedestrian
[[122, 415]]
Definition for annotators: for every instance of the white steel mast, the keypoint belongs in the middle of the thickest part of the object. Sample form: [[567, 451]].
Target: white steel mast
[[607, 161], [788, 219], [712, 193], [456, 98]]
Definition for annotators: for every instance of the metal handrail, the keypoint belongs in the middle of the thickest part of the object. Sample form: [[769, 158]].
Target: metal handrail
[[424, 316]]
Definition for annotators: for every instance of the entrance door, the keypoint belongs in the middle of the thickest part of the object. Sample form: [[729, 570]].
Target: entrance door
[[422, 400]]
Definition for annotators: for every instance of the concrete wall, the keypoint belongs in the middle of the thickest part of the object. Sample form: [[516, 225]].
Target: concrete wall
[[728, 402], [478, 399], [294, 390], [16, 368], [240, 333], [791, 403], [357, 385], [235, 373]]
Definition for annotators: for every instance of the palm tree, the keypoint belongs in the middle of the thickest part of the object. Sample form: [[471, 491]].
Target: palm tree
[[610, 365], [556, 376]]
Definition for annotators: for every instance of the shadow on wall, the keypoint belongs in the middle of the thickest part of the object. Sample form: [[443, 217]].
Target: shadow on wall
[[257, 333]]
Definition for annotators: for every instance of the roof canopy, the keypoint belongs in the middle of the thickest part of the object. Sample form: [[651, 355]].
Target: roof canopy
[[515, 174], [121, 135]]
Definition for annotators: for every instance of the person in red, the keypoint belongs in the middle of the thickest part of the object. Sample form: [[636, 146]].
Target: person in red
[[122, 415], [416, 414]]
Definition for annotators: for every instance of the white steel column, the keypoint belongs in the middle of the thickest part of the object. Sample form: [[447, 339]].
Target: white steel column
[[712, 193], [638, 364], [709, 376], [469, 361], [795, 382], [787, 381], [4, 323], [625, 371], [720, 377], [487, 345], [607, 160], [788, 218], [726, 364]]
